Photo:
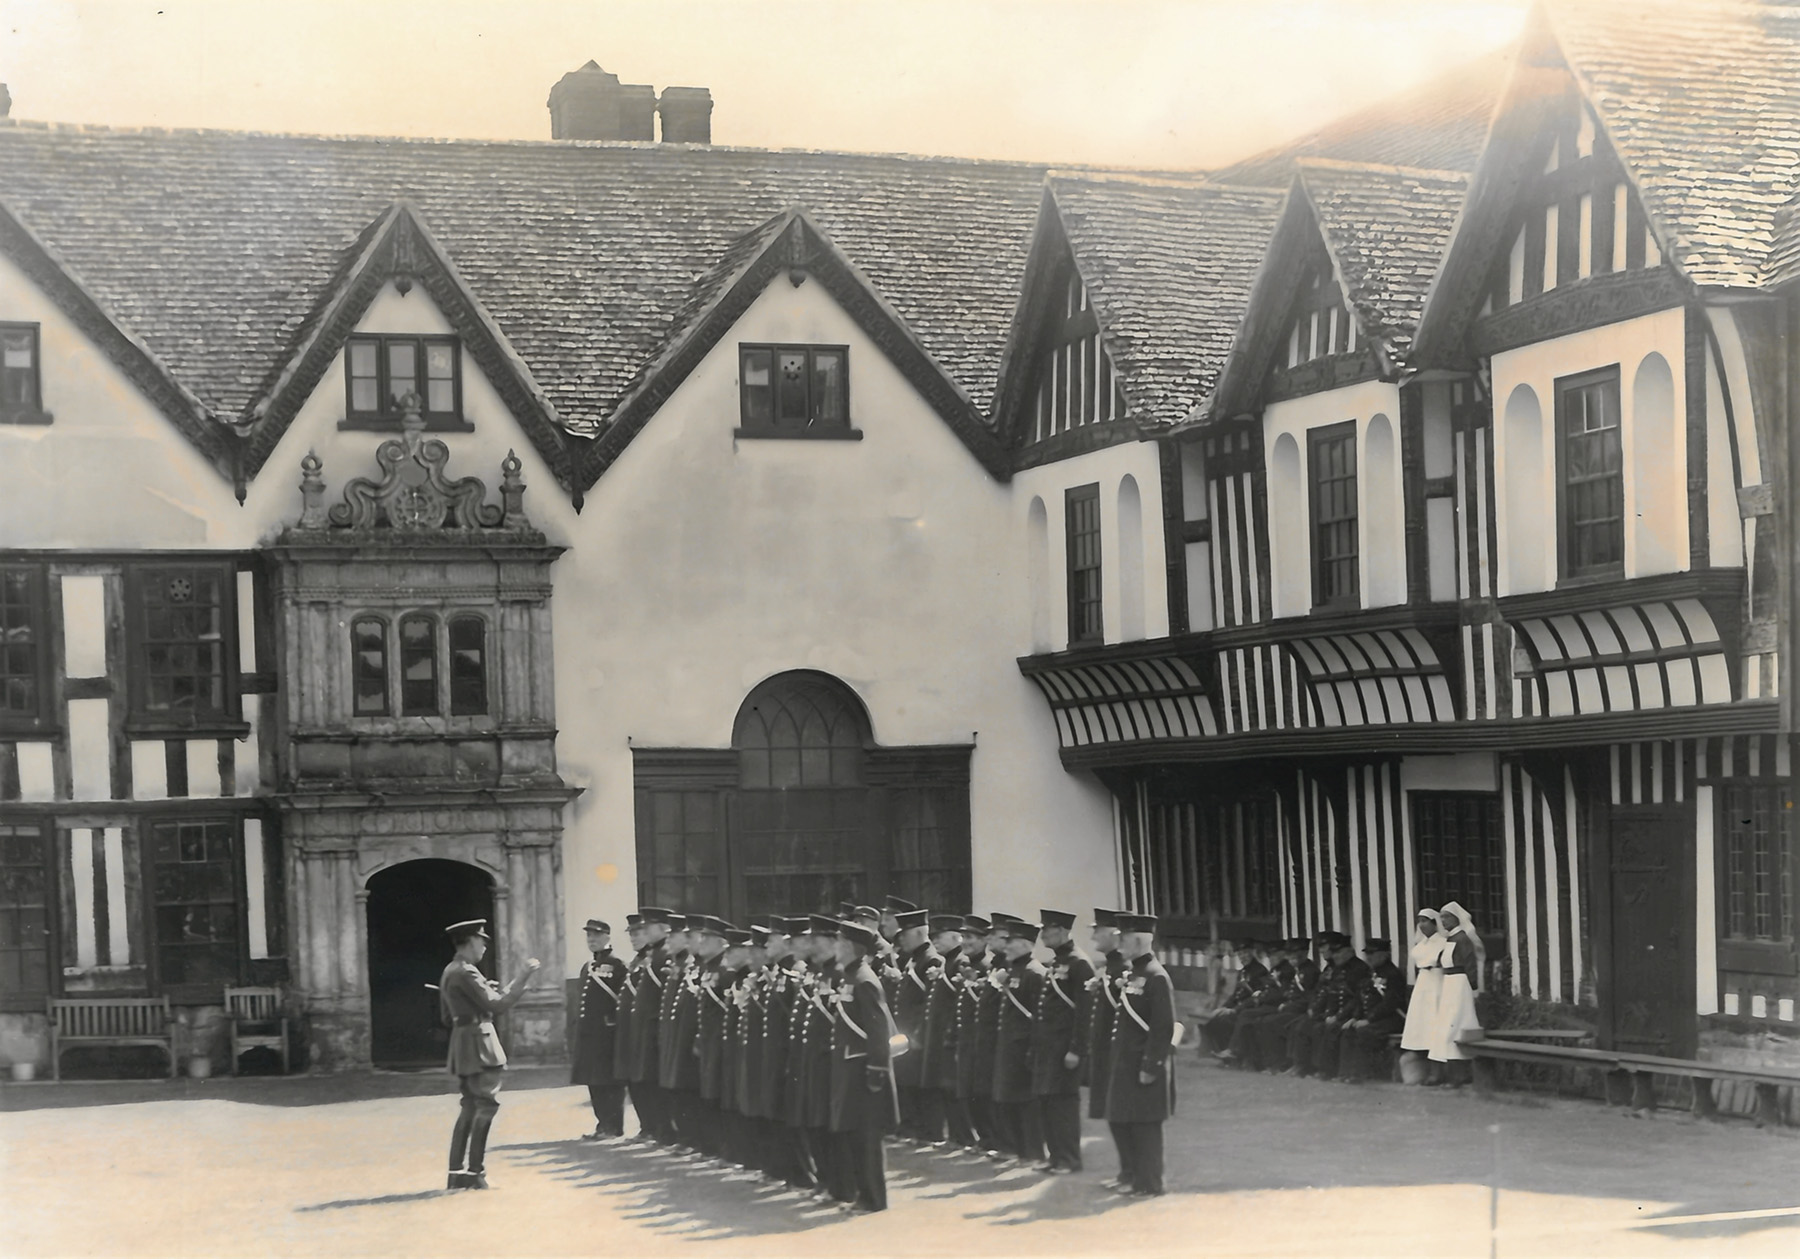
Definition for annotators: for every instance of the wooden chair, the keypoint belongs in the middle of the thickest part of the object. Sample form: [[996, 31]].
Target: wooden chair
[[256, 1021]]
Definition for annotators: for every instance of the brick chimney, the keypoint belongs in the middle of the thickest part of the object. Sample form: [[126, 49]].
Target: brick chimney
[[590, 104], [686, 115]]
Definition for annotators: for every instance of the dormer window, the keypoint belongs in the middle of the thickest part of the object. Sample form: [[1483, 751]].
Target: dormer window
[[379, 371], [21, 386], [794, 391], [1323, 324], [1077, 385]]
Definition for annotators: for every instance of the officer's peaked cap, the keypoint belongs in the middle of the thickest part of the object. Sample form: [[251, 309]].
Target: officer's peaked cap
[[1056, 918], [1137, 922], [598, 924], [1106, 917], [941, 923], [909, 918]]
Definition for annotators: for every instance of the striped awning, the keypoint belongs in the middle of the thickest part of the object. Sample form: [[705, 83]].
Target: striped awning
[[1374, 678], [1621, 659], [1158, 697]]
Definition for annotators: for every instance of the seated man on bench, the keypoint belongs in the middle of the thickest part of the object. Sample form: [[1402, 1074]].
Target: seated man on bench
[[1252, 978], [1382, 998]]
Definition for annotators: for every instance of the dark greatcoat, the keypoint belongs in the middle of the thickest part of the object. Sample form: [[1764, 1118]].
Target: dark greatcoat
[[860, 1056], [939, 1067], [1061, 1024], [779, 985], [910, 1011], [821, 1018], [1384, 996], [793, 1085], [674, 978], [714, 1003], [624, 1035], [1143, 1041], [1022, 983], [748, 1096], [986, 1024], [596, 1020], [1103, 1007], [645, 1060], [682, 1054]]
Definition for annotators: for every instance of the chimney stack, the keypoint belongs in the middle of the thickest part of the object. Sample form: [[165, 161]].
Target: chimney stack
[[686, 115], [590, 104]]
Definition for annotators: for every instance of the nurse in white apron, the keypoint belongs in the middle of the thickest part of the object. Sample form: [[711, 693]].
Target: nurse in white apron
[[1459, 961]]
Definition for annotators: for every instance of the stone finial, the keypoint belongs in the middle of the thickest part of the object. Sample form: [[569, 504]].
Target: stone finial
[[312, 492], [512, 492]]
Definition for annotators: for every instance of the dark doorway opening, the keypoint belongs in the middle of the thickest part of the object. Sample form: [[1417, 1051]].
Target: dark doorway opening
[[409, 906]]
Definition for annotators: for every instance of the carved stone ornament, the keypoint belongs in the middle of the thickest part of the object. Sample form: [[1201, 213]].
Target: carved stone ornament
[[413, 495]]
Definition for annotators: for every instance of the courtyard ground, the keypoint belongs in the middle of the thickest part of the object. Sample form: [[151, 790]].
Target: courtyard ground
[[1258, 1166]]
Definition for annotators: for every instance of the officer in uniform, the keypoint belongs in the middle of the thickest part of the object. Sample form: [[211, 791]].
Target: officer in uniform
[[1103, 1006], [1381, 1012], [1312, 1044], [602, 984], [681, 1032], [469, 1002], [1252, 977], [1140, 1091], [624, 1039], [783, 979], [701, 1023], [645, 1061], [939, 1068], [1021, 983], [973, 993], [864, 1105], [1265, 1039], [828, 1157], [1059, 1041], [921, 1118]]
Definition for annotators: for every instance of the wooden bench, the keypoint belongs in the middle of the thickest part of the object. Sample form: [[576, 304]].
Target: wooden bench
[[110, 1021], [1636, 1072], [1558, 1035]]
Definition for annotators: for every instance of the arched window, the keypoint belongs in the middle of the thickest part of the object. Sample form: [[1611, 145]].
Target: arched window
[[1292, 557], [1131, 561], [418, 666], [369, 666], [1037, 528], [1659, 525], [468, 667], [1525, 495], [1384, 535], [800, 730]]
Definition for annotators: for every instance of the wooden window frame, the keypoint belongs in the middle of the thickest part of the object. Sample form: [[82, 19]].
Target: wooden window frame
[[1333, 434], [387, 414], [228, 720], [1567, 572], [1079, 633], [22, 1000], [1774, 954], [387, 663], [203, 991], [844, 430], [38, 601], [451, 621], [435, 655], [1490, 914], [32, 411]]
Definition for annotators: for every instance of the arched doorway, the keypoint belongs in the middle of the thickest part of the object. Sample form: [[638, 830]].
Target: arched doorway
[[409, 906]]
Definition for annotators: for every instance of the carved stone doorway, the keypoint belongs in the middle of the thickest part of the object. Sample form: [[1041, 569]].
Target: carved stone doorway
[[409, 906]]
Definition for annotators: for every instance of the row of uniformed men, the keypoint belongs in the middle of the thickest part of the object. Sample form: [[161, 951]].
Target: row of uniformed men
[[1330, 1017], [794, 1046]]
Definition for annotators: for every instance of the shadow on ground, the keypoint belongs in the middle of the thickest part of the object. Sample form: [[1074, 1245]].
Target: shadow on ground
[[260, 1090]]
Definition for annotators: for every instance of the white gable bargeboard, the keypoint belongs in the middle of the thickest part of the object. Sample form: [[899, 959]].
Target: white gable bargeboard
[[702, 564]]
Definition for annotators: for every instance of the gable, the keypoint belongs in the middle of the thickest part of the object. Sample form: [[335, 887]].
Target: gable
[[1070, 380]]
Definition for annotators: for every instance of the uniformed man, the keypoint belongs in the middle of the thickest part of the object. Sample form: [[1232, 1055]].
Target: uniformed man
[[1140, 1093], [1266, 1043], [1103, 1007], [1021, 983], [624, 1038], [735, 965], [710, 1003], [645, 1064], [469, 1002], [864, 1105], [921, 1118], [1312, 1044], [1381, 1012], [681, 1032], [1059, 1041], [974, 1064], [782, 1025], [828, 1157], [1252, 977], [602, 985], [938, 1070], [1281, 986], [883, 960]]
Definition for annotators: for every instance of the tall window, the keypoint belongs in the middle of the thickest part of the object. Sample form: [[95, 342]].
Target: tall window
[[1592, 483], [794, 391], [381, 370], [1460, 853], [1082, 527], [929, 862], [183, 621], [21, 645], [24, 914], [468, 666], [369, 671], [195, 889], [418, 666], [1759, 864], [21, 386], [1332, 461]]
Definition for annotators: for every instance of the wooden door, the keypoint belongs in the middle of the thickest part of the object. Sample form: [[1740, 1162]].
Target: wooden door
[[1647, 999]]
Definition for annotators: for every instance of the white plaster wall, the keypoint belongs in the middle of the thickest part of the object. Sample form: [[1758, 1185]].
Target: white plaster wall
[[1380, 528], [1540, 366], [1107, 468], [702, 565]]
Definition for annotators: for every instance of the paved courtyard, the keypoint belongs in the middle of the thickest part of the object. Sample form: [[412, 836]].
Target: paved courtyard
[[1259, 1167]]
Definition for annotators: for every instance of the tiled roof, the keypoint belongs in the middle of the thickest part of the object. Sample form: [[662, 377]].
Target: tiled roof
[[217, 248], [1440, 125], [1387, 228], [1702, 101], [1168, 266]]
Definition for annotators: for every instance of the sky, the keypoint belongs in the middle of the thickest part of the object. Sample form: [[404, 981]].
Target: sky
[[1173, 84]]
